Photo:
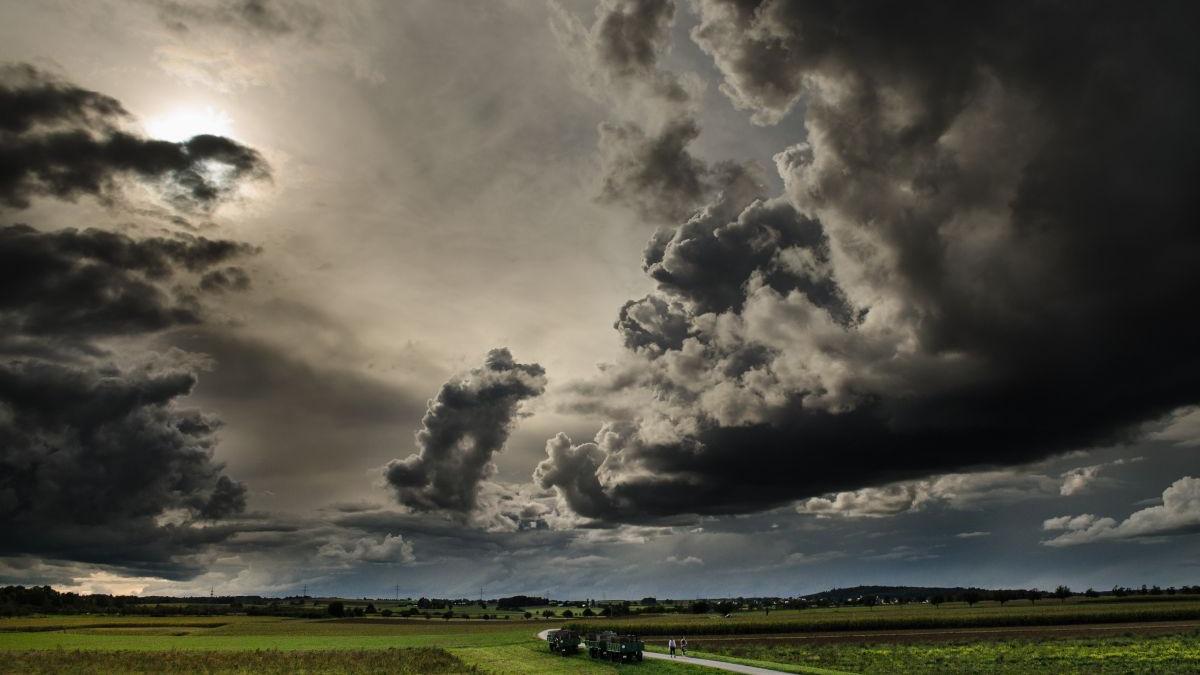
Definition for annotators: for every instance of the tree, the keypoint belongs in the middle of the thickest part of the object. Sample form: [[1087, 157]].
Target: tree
[[725, 607], [567, 614], [700, 607], [547, 613], [936, 600], [1062, 593], [1091, 593], [371, 608], [528, 615], [386, 612], [423, 603], [448, 615], [587, 611], [971, 598], [336, 608]]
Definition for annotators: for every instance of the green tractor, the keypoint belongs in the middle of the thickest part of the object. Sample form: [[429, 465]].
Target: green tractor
[[565, 642], [613, 647]]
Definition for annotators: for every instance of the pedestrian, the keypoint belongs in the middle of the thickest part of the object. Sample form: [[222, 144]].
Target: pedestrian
[[683, 646], [671, 646]]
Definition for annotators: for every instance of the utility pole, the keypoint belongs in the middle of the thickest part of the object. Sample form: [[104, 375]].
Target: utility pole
[[397, 592], [306, 590]]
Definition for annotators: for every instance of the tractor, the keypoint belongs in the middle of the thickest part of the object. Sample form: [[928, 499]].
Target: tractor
[[613, 647], [564, 642]]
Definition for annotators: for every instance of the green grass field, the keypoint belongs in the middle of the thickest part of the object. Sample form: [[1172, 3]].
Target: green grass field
[[413, 661], [491, 647], [1118, 654], [237, 643]]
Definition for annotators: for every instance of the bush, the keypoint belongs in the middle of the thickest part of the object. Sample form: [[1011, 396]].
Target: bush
[[336, 608], [567, 614], [528, 615], [386, 612]]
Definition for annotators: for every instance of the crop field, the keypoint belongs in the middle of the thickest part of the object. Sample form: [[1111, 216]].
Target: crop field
[[898, 617], [1116, 654], [239, 643], [414, 661], [273, 644]]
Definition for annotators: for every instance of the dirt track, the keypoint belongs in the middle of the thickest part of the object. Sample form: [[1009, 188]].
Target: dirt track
[[941, 634]]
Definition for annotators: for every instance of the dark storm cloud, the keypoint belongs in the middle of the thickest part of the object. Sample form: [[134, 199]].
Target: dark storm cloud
[[100, 463], [657, 176], [631, 34], [92, 456], [708, 260], [89, 284], [227, 279], [263, 17], [62, 141], [465, 425], [654, 323], [647, 165], [998, 227]]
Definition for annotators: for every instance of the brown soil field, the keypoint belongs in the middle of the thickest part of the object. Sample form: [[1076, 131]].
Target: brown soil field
[[944, 634]]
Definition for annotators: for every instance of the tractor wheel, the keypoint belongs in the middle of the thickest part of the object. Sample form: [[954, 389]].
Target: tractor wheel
[[639, 656]]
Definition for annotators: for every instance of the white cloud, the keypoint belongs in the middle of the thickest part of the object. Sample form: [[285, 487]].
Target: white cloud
[[973, 535], [956, 490], [1178, 514], [800, 558], [1182, 428], [688, 561], [904, 553], [390, 549], [1080, 479]]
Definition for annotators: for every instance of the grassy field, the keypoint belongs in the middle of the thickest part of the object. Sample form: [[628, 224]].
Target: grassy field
[[118, 644], [238, 643], [896, 617], [414, 661], [1119, 654]]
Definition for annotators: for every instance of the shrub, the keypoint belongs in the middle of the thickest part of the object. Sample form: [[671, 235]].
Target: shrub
[[336, 608]]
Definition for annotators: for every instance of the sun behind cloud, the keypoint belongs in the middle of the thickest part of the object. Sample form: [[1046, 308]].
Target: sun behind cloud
[[184, 122]]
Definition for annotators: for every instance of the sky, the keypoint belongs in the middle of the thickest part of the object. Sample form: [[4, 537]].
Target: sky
[[684, 298]]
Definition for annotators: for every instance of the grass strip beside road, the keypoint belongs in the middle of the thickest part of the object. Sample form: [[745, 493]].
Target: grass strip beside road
[[772, 665]]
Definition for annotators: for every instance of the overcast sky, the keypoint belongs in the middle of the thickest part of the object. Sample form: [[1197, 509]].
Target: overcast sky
[[600, 299]]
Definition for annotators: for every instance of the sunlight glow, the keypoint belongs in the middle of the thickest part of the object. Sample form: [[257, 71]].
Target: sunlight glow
[[181, 124]]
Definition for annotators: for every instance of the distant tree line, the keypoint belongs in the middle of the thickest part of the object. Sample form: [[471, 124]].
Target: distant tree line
[[23, 600], [518, 602]]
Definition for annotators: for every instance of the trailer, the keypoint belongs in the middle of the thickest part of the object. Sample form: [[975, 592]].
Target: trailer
[[564, 642], [613, 647]]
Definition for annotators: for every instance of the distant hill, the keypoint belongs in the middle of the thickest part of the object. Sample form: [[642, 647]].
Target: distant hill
[[905, 592]]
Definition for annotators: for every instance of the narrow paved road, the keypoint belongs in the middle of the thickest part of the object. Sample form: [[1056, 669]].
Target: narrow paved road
[[720, 665]]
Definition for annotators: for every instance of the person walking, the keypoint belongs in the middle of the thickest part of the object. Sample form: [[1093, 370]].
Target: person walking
[[683, 646], [671, 646]]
